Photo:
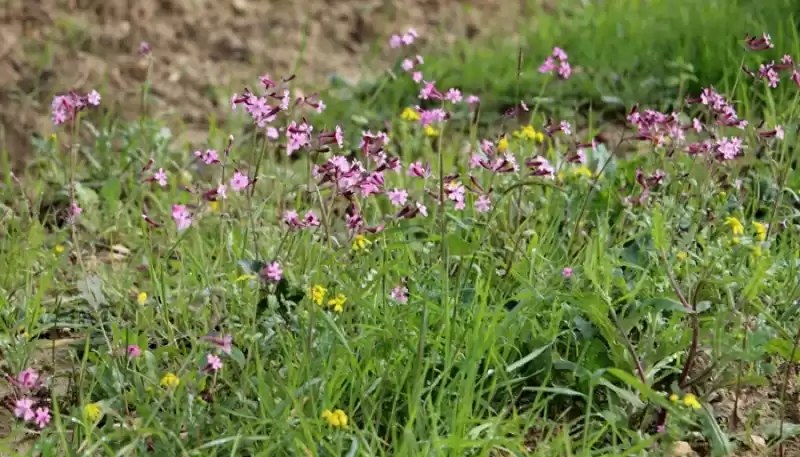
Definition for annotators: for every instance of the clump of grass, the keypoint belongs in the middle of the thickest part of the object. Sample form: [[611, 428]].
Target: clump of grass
[[435, 292]]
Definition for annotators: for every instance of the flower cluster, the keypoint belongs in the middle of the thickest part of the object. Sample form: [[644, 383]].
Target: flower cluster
[[557, 63], [65, 108], [30, 405]]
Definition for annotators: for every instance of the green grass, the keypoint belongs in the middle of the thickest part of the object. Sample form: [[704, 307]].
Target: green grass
[[630, 51], [496, 352]]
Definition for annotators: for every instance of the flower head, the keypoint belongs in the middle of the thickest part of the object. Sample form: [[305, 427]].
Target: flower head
[[337, 303], [318, 294], [213, 362], [272, 272], [736, 226], [399, 294], [170, 380], [761, 230], [133, 351], [42, 416], [336, 418], [92, 412], [691, 401], [23, 409], [141, 298]]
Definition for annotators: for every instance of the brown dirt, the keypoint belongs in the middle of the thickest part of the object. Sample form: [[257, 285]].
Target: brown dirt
[[203, 49]]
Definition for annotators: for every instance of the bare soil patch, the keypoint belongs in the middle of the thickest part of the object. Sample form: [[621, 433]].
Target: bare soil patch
[[203, 48]]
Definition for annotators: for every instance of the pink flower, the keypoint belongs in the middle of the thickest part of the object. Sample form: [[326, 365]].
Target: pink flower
[[222, 191], [565, 127], [42, 416], [416, 76], [399, 294], [23, 409], [239, 181], [398, 197], [473, 99], [422, 209], [418, 170], [182, 217], [208, 157], [407, 65], [429, 91], [224, 343], [409, 36], [93, 98], [161, 177], [145, 49], [310, 219], [566, 272], [213, 363], [74, 212], [133, 351], [453, 95], [395, 41], [273, 133], [272, 272], [28, 378], [483, 204]]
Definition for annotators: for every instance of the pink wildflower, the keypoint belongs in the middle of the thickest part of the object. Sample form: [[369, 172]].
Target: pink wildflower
[[28, 378], [239, 181], [272, 272], [208, 157], [453, 95], [398, 197], [181, 216], [213, 362], [566, 272], [23, 409], [483, 204], [42, 416], [161, 177], [133, 351], [224, 343], [399, 294]]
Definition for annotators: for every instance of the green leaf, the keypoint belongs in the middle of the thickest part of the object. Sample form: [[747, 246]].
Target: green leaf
[[111, 190], [665, 304], [783, 348], [720, 444], [637, 385], [659, 237], [91, 289], [521, 362]]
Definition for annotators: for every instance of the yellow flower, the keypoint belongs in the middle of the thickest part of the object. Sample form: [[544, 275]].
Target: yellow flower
[[59, 248], [756, 251], [213, 206], [761, 230], [337, 303], [318, 294], [735, 241], [335, 418], [170, 380], [502, 145], [582, 171], [691, 401], [431, 131], [141, 298], [682, 255], [409, 114], [92, 412], [674, 398], [530, 133], [360, 242], [736, 227]]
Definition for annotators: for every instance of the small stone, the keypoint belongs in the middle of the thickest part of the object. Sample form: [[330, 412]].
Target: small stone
[[682, 449], [757, 442]]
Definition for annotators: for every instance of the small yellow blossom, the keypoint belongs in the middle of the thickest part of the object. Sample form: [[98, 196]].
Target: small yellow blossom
[[335, 418], [682, 255], [736, 226], [92, 412], [409, 114], [318, 294], [431, 130], [530, 133], [735, 241], [582, 171], [691, 401], [337, 303], [502, 145], [674, 398], [360, 242], [170, 380], [141, 298], [213, 206], [59, 248], [761, 230]]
